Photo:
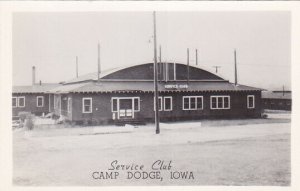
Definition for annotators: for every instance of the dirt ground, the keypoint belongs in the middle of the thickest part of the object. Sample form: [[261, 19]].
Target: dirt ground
[[216, 152]]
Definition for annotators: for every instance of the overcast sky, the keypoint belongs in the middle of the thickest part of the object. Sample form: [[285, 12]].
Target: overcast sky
[[51, 42]]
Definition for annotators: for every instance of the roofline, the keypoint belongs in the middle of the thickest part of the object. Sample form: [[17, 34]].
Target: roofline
[[151, 91], [113, 70]]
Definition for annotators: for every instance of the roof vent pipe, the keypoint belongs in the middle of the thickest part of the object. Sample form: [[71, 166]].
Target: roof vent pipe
[[33, 75], [235, 69]]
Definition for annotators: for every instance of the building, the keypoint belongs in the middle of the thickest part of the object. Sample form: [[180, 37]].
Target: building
[[126, 94], [32, 99], [277, 100]]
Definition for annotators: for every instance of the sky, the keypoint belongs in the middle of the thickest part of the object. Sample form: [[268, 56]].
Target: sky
[[50, 41]]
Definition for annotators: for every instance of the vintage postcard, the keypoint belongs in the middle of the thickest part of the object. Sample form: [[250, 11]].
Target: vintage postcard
[[189, 97]]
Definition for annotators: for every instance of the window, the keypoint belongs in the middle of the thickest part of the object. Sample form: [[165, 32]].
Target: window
[[40, 101], [168, 106], [219, 102], [192, 102], [114, 105], [14, 102], [250, 101], [159, 103], [86, 105], [136, 102], [69, 104], [21, 101]]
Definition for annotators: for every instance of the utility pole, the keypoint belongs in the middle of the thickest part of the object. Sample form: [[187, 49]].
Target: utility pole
[[235, 69], [283, 90], [188, 66], [155, 78], [99, 68], [76, 66], [216, 68], [196, 57]]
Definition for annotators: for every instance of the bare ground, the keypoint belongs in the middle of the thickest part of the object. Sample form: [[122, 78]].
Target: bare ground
[[232, 152]]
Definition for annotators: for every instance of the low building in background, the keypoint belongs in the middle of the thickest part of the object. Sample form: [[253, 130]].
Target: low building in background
[[277, 100]]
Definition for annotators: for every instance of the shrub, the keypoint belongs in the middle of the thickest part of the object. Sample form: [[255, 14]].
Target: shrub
[[29, 123], [23, 115]]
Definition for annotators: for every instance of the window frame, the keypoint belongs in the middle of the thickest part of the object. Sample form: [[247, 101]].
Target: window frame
[[160, 99], [91, 106], [189, 101], [112, 105], [69, 104], [171, 103], [138, 98], [14, 106], [253, 102], [217, 102], [37, 101], [21, 97]]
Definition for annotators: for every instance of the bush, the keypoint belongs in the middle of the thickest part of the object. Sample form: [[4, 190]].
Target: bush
[[29, 123], [23, 115]]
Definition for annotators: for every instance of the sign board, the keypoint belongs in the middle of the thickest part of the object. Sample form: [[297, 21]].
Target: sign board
[[176, 86]]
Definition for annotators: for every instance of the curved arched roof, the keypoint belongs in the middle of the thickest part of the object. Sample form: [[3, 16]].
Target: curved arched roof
[[145, 72]]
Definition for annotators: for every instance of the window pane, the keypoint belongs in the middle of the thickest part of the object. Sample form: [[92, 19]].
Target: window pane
[[186, 103], [14, 102], [193, 102], [199, 103], [114, 105], [220, 102], [87, 102], [159, 103], [214, 102], [226, 102], [40, 102], [21, 102], [250, 102], [136, 104], [167, 103], [86, 108]]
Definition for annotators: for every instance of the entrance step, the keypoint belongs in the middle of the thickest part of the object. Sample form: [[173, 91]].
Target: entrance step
[[123, 122]]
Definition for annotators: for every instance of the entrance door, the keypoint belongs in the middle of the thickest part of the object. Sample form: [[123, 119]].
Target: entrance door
[[125, 108]]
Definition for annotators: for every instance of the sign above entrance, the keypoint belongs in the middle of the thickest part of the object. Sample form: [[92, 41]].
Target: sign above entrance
[[176, 86]]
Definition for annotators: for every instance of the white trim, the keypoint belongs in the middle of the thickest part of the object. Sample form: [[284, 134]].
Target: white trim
[[222, 102], [22, 97], [118, 105], [69, 104], [171, 102], [37, 101], [14, 106], [161, 103], [112, 101], [91, 106], [189, 101], [138, 98], [248, 96]]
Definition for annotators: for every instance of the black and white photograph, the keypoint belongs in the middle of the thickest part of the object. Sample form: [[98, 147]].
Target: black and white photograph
[[151, 98]]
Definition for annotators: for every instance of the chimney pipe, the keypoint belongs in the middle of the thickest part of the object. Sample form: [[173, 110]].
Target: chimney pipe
[[76, 66], [235, 69], [196, 57], [33, 75], [188, 66], [99, 66]]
